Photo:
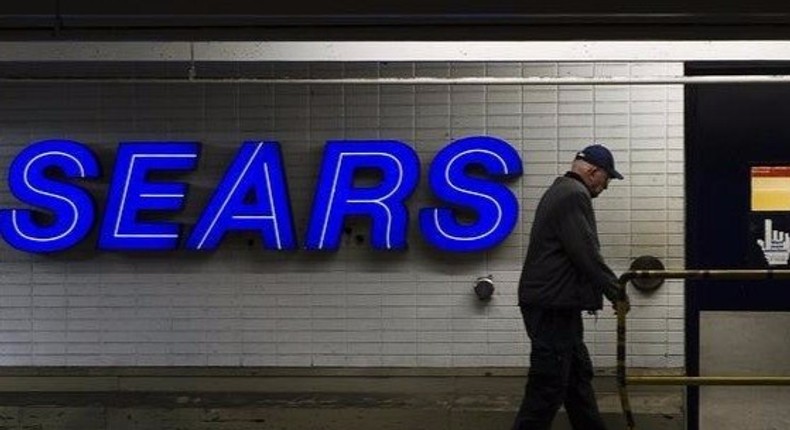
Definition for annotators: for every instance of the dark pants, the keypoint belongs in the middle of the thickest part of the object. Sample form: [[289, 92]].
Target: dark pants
[[560, 372]]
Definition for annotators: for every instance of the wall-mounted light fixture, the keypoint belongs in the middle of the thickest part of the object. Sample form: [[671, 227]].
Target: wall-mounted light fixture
[[484, 287]]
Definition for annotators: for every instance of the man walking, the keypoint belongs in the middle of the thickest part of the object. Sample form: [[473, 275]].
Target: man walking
[[564, 274]]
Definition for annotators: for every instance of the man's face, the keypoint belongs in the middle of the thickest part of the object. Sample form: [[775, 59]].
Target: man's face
[[599, 181]]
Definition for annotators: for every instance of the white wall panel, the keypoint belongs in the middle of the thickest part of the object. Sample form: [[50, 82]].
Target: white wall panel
[[355, 307]]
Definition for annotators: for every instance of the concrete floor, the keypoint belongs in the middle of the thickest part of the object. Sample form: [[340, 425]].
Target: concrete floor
[[312, 399]]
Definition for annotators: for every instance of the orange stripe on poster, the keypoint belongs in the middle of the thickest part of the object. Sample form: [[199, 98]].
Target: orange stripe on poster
[[771, 171]]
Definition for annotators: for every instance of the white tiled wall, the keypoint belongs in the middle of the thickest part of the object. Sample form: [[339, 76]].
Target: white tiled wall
[[356, 307]]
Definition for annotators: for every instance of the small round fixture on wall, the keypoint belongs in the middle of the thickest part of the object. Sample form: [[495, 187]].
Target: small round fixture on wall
[[484, 287], [647, 262]]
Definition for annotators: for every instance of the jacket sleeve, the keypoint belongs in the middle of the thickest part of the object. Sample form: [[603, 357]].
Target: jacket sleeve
[[580, 241]]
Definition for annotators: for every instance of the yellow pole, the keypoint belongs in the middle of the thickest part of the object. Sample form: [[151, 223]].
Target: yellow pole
[[623, 380], [622, 387], [708, 380]]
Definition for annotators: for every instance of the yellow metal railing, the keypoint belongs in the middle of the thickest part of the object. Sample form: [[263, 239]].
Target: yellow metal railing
[[623, 380]]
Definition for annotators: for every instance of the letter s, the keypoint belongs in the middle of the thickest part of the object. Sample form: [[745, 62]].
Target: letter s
[[495, 205], [72, 208]]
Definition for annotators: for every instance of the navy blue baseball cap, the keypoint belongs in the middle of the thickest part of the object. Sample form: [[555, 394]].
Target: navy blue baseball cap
[[600, 156]]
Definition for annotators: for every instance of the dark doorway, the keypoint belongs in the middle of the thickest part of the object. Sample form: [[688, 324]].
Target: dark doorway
[[734, 133]]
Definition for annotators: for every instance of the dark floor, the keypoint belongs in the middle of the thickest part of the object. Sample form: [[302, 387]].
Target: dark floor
[[278, 399]]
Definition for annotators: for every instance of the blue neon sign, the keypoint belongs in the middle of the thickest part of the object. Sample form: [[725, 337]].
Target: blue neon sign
[[257, 170], [253, 196], [336, 197], [494, 204], [71, 207], [131, 192]]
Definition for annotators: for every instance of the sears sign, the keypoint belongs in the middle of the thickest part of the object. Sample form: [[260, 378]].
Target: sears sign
[[257, 170]]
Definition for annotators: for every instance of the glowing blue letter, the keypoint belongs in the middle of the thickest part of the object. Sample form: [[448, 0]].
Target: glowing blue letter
[[257, 170], [131, 193], [336, 196], [72, 207], [495, 204]]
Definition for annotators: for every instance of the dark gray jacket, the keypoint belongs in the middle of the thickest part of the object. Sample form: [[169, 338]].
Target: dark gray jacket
[[564, 268]]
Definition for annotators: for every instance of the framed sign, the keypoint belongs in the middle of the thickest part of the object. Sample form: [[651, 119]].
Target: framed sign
[[769, 220]]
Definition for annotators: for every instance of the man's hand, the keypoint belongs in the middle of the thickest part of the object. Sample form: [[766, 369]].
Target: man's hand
[[622, 305], [613, 294]]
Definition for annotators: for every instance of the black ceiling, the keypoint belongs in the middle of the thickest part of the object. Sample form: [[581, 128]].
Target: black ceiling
[[393, 20]]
